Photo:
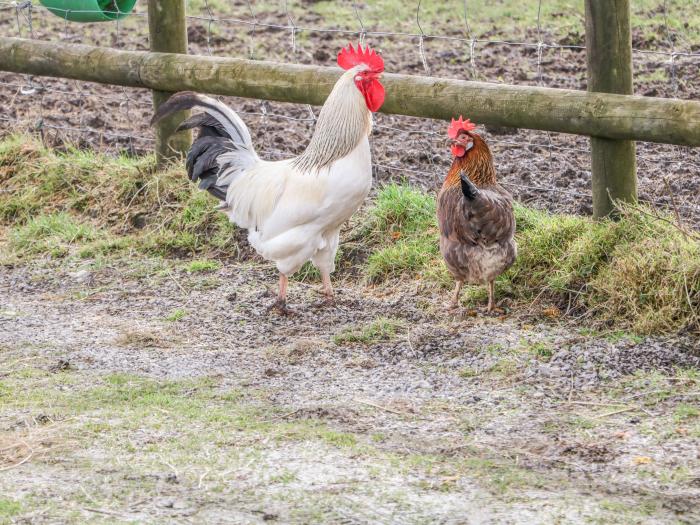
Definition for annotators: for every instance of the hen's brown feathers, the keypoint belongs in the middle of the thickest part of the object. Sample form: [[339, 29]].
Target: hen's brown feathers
[[477, 227], [477, 163]]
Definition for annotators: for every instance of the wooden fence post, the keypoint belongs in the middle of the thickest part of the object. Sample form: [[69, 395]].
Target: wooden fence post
[[609, 56], [167, 27]]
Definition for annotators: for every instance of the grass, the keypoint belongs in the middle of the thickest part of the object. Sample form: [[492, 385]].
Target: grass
[[638, 275], [379, 330], [173, 437], [541, 351], [685, 413], [157, 428], [8, 508], [404, 221], [559, 18], [203, 266], [176, 315], [54, 199], [53, 233]]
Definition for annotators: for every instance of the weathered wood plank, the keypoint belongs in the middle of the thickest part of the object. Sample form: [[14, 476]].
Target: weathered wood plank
[[167, 28], [604, 115], [609, 57]]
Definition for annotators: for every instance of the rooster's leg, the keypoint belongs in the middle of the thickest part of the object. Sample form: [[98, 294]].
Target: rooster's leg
[[284, 281], [281, 303], [455, 295], [327, 287]]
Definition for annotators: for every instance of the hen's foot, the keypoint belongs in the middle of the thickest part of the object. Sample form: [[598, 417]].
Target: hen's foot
[[495, 311], [280, 307], [456, 310]]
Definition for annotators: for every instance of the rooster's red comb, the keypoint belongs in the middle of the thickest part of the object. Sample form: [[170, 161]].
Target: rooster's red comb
[[350, 57], [458, 125]]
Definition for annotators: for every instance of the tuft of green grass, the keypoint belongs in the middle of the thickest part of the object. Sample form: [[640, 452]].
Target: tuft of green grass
[[203, 265], [381, 329], [685, 412], [468, 372], [53, 234], [9, 508], [620, 335], [176, 315], [154, 212], [403, 226], [542, 351], [308, 273]]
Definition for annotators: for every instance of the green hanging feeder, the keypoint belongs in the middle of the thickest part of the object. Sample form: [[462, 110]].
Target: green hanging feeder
[[89, 10]]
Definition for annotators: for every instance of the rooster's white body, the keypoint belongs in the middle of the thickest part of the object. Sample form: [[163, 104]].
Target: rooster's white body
[[294, 216], [293, 209]]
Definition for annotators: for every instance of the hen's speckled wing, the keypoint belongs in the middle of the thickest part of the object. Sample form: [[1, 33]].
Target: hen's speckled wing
[[485, 219]]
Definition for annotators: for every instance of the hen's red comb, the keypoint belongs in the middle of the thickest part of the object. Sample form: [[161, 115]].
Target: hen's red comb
[[458, 125], [350, 57]]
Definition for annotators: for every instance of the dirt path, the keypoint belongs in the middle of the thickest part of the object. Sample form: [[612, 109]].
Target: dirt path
[[136, 391]]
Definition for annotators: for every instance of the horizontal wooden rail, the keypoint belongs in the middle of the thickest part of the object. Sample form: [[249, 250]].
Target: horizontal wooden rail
[[605, 115]]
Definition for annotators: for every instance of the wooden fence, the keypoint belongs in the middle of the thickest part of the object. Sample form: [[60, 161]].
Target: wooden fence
[[608, 113]]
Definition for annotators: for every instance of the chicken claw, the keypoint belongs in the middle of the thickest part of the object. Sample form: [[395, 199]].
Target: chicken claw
[[281, 308]]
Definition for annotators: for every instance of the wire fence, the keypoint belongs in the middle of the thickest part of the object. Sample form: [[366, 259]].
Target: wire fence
[[449, 39]]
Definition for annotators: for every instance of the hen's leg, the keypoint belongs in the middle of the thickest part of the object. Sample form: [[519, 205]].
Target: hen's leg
[[492, 304], [455, 295], [280, 305]]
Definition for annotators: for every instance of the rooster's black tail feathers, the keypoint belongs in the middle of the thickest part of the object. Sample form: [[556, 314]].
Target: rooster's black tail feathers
[[223, 147]]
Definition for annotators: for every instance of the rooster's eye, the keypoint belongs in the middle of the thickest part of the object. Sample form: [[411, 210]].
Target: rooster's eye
[[358, 78]]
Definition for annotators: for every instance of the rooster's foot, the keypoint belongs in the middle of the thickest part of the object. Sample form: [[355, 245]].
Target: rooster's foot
[[327, 302], [280, 307]]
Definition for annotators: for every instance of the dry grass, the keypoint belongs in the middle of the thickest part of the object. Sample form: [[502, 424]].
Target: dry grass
[[128, 203], [142, 339]]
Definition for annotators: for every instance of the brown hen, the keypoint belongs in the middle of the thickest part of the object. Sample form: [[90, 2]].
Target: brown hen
[[475, 213]]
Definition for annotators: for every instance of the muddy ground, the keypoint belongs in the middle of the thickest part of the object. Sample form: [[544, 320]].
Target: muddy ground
[[546, 170], [437, 418]]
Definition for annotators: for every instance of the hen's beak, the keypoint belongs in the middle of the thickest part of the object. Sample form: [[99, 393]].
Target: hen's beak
[[466, 144]]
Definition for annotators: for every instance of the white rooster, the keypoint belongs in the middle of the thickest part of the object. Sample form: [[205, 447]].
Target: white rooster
[[293, 209]]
